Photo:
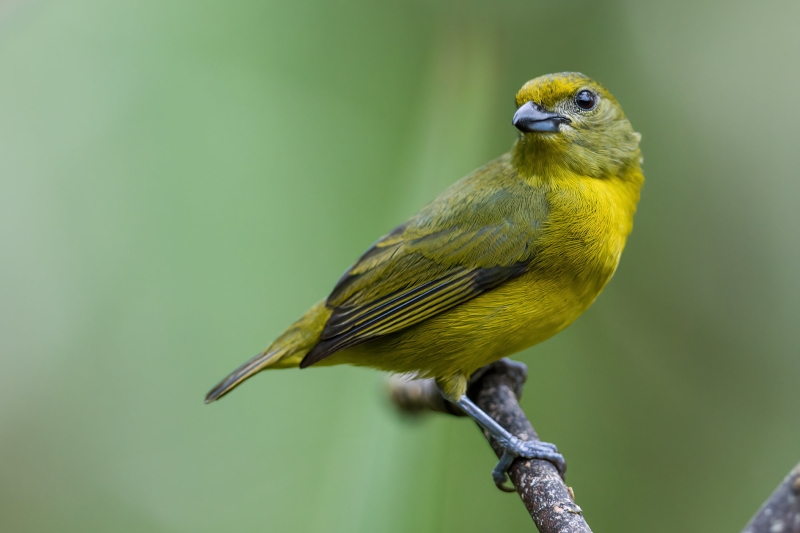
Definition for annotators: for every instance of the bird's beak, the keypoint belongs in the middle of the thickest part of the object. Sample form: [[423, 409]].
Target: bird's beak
[[532, 117]]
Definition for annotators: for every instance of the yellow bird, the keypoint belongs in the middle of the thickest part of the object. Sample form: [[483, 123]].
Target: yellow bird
[[503, 259]]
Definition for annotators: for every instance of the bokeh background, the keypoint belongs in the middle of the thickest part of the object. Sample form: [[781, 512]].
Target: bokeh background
[[179, 180]]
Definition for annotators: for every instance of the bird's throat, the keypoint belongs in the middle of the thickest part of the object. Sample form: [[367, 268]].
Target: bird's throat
[[553, 154], [540, 154]]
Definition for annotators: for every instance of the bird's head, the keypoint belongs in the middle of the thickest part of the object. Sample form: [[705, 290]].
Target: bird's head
[[568, 121]]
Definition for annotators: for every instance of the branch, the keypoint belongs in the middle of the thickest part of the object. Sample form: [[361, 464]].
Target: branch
[[781, 513], [548, 500]]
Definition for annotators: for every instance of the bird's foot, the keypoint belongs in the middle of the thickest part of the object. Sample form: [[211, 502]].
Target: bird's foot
[[514, 447]]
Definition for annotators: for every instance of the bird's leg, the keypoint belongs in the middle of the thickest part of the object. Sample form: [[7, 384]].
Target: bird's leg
[[454, 388], [513, 447]]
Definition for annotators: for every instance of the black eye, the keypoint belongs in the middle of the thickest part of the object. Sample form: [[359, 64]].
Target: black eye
[[586, 100]]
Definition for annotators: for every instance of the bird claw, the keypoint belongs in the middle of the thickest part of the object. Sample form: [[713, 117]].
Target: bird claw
[[515, 447], [499, 473]]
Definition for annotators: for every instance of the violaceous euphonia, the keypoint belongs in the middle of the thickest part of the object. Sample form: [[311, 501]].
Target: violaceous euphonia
[[503, 259]]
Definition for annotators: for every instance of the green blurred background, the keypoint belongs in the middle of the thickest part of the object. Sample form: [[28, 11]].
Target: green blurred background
[[179, 180]]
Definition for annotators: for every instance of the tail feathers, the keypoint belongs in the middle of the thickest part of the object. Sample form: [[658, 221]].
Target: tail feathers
[[253, 366], [287, 351]]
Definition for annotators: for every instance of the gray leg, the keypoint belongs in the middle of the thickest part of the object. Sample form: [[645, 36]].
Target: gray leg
[[513, 447]]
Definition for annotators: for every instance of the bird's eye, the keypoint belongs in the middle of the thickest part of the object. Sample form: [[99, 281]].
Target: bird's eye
[[586, 100]]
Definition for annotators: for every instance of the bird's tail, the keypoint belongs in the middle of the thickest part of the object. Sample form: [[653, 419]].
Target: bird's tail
[[287, 351]]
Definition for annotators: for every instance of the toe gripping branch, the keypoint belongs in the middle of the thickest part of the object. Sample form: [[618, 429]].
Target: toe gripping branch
[[498, 388]]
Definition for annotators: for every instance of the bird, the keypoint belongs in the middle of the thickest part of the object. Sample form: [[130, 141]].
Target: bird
[[503, 259]]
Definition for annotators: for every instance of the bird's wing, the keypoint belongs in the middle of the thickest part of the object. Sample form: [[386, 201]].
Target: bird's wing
[[465, 243]]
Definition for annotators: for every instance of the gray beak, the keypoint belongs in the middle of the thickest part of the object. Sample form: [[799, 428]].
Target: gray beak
[[532, 117]]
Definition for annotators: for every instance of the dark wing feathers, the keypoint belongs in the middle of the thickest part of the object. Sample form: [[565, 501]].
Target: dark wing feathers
[[351, 326], [346, 318]]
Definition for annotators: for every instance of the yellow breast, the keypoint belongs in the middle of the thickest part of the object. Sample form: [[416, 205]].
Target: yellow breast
[[590, 220]]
